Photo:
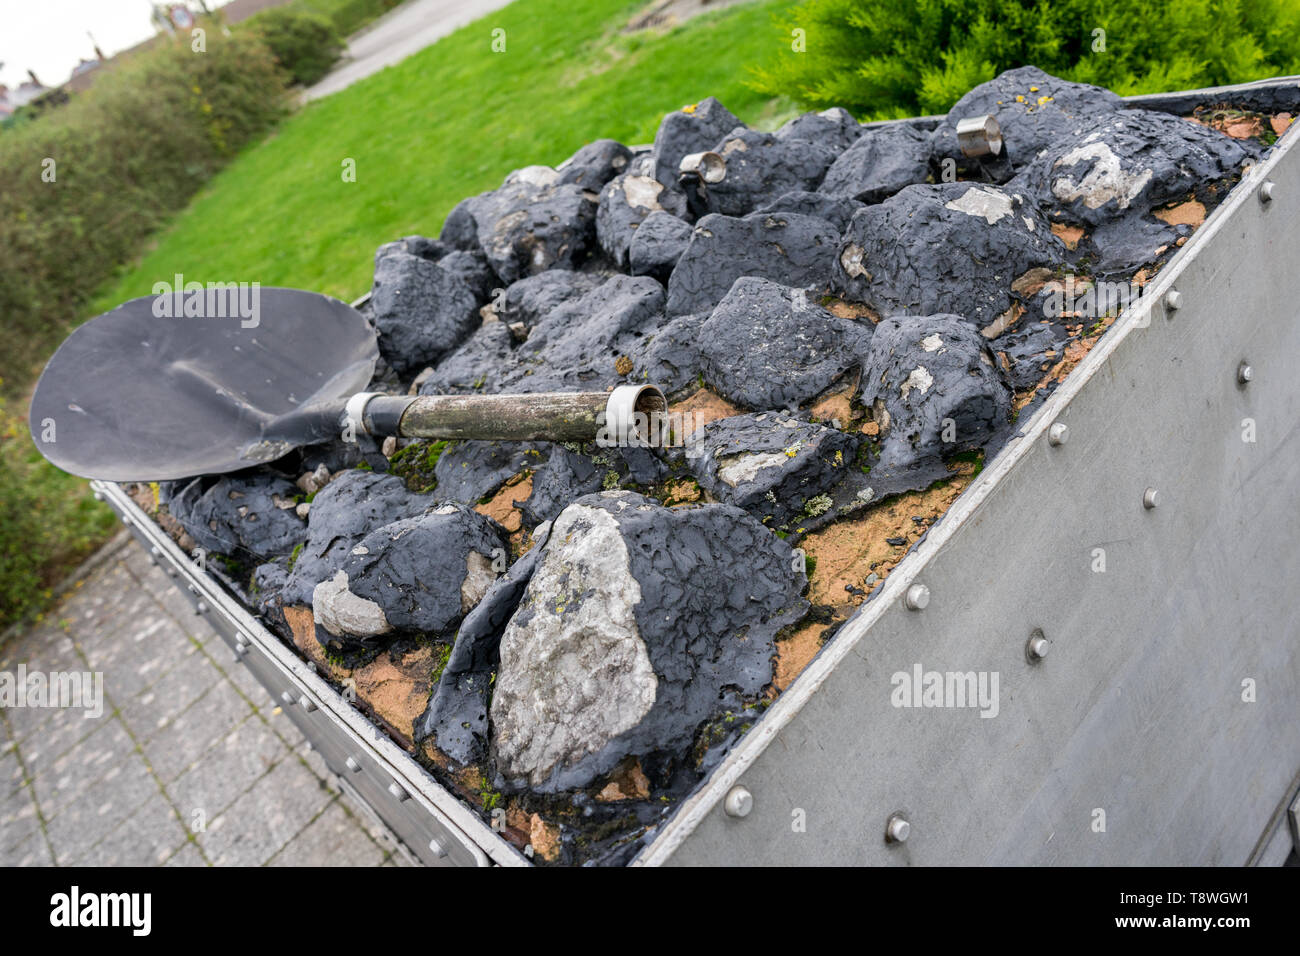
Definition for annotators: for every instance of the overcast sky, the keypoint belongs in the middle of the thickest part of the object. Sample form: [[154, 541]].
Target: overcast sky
[[49, 36]]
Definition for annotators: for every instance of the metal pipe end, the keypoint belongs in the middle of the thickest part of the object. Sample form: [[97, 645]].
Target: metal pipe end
[[637, 415], [354, 412], [709, 166], [979, 136]]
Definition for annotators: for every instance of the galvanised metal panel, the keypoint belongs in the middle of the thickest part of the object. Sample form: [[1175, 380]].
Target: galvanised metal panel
[[1137, 711]]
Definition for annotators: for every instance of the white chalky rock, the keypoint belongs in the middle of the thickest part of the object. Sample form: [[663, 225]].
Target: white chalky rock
[[743, 468], [1106, 178], [479, 576], [574, 671], [986, 203], [341, 612]]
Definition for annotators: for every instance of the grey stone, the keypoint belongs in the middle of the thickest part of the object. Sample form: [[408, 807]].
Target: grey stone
[[761, 167], [657, 244], [534, 222], [1034, 110], [473, 269], [882, 161], [238, 515], [919, 373], [420, 574], [422, 246], [672, 357], [345, 511], [834, 127], [528, 301], [1123, 245], [313, 481], [592, 669], [475, 364], [457, 716], [1128, 160], [578, 344], [767, 346], [769, 464], [625, 201], [459, 229], [789, 248], [468, 471], [686, 131], [1026, 352], [835, 210], [420, 310], [346, 616], [946, 248], [567, 474], [595, 164]]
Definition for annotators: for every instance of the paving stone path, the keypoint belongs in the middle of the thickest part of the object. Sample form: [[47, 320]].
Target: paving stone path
[[191, 763]]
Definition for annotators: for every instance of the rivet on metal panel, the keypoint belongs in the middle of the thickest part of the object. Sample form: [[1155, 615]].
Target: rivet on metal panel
[[398, 791], [201, 607], [287, 698], [307, 703], [739, 802], [1058, 434], [171, 572], [99, 496], [1268, 191], [1244, 373], [1150, 498], [436, 848], [1037, 647], [897, 829], [918, 597], [351, 764], [1173, 300], [154, 555], [126, 520]]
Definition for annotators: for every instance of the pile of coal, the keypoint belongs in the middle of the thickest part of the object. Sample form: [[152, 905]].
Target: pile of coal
[[847, 299]]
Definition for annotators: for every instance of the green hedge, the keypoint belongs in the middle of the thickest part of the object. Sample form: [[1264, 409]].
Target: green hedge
[[889, 58], [306, 44], [84, 187], [123, 157]]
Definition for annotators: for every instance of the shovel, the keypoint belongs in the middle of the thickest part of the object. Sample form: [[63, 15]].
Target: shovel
[[130, 396]]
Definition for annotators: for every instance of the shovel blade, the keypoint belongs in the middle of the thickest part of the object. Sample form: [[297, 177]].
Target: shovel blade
[[135, 396]]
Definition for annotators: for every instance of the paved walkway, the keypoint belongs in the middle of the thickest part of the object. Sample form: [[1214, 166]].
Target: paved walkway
[[191, 764], [392, 38]]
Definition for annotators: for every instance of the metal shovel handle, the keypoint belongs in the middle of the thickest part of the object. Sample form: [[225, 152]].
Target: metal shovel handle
[[629, 415]]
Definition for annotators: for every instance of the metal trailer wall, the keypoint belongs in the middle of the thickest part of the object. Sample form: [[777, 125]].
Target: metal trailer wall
[[1163, 724], [1136, 710]]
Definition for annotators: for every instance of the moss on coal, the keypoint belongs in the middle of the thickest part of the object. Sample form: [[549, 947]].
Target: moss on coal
[[441, 656], [415, 464]]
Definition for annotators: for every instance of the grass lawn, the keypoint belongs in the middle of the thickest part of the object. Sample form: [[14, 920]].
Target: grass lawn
[[447, 123]]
